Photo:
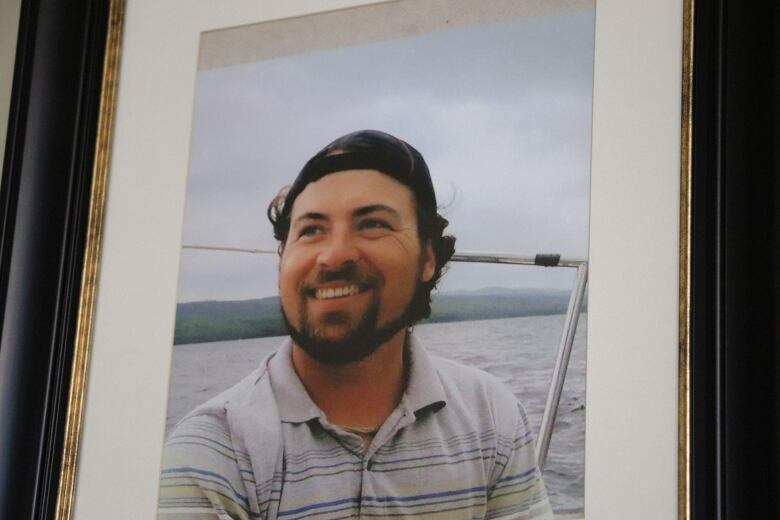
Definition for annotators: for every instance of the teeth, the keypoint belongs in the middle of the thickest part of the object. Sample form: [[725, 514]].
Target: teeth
[[336, 292]]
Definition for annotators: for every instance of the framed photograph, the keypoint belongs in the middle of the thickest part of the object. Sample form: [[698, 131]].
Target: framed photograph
[[155, 65], [248, 43], [499, 101]]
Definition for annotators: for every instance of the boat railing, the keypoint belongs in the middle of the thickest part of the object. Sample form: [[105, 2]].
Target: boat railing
[[569, 325], [567, 337]]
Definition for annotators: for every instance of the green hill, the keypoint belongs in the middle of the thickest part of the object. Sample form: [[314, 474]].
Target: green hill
[[198, 322]]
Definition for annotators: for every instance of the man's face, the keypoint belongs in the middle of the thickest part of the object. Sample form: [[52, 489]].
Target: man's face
[[351, 264]]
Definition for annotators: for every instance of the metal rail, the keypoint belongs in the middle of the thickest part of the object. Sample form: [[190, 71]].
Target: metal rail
[[569, 324], [561, 365], [459, 256], [507, 258]]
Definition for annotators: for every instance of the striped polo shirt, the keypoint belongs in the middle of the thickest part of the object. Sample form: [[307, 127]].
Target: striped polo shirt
[[457, 446]]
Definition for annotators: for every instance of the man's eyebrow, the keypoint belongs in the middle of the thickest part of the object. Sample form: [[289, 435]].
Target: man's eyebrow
[[365, 210], [311, 215]]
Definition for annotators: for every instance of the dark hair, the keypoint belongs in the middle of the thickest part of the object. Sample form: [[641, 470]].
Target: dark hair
[[372, 149]]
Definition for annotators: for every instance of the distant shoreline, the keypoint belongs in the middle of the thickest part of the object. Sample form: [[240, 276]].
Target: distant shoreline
[[209, 321]]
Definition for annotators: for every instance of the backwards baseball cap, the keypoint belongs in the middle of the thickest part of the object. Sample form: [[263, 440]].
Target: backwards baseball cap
[[368, 150]]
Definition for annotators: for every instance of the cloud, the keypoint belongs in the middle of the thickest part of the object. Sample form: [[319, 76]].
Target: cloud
[[501, 112]]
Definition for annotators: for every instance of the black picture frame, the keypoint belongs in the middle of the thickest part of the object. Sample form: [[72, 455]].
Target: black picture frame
[[735, 331], [734, 335], [47, 177]]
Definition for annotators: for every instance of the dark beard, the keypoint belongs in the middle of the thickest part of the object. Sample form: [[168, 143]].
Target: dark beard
[[360, 343]]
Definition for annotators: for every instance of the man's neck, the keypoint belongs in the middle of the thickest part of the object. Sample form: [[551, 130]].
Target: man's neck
[[360, 394]]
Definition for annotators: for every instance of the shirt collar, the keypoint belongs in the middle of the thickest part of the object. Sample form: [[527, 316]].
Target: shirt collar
[[292, 399], [424, 388], [423, 391]]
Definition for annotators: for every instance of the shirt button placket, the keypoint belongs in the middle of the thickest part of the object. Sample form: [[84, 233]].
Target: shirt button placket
[[365, 485]]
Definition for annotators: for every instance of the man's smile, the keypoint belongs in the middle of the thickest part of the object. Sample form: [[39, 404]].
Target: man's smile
[[337, 295], [327, 293]]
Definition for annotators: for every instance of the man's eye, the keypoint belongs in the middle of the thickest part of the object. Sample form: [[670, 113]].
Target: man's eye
[[374, 224], [309, 231]]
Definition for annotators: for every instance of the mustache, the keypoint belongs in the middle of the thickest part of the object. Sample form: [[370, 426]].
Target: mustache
[[347, 273]]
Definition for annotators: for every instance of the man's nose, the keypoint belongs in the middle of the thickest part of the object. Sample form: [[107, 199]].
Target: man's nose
[[339, 249]]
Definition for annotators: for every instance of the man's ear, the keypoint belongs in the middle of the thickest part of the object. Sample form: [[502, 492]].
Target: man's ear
[[428, 259]]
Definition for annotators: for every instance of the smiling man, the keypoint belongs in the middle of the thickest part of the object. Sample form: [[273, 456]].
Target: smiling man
[[351, 418]]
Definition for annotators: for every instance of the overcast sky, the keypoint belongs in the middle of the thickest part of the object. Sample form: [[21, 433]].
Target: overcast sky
[[501, 113]]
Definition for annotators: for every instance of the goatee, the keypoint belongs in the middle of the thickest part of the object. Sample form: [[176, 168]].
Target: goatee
[[361, 341]]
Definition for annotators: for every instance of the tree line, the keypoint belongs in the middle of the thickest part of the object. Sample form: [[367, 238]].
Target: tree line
[[199, 322]]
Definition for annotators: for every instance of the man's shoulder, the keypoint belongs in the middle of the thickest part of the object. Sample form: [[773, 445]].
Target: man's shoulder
[[206, 457], [477, 401], [472, 387], [247, 394], [239, 428], [469, 377]]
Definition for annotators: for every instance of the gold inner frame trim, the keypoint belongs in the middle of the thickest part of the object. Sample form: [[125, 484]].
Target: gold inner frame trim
[[85, 319], [684, 367], [89, 276]]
